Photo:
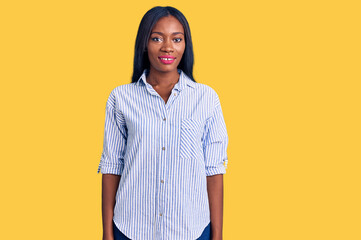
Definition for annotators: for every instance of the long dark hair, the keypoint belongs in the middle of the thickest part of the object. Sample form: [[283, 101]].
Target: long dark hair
[[150, 18]]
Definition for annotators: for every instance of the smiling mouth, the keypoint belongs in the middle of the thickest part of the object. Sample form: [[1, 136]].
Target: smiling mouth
[[166, 60]]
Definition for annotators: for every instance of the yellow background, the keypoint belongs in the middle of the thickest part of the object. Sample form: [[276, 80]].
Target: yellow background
[[288, 76]]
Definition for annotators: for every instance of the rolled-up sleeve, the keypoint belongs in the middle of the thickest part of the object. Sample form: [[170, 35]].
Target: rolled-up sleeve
[[215, 142], [115, 139]]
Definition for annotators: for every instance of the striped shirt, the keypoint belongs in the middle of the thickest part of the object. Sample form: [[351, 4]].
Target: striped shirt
[[163, 152]]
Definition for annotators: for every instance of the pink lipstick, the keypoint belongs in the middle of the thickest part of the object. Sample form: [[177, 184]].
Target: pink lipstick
[[166, 59]]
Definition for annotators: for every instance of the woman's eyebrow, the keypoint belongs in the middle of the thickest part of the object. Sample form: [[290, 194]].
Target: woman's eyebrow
[[172, 33]]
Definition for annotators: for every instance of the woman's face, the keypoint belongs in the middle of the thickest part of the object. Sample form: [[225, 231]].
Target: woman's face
[[166, 44]]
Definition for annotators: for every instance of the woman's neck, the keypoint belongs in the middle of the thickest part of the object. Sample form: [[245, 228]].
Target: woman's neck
[[156, 78]]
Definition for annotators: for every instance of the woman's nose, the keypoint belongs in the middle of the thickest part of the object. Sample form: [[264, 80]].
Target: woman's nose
[[167, 46]]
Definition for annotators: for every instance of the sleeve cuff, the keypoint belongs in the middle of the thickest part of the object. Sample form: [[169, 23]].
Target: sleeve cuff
[[213, 170], [110, 168]]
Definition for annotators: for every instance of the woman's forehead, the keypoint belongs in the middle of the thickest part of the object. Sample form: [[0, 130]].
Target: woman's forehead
[[168, 25]]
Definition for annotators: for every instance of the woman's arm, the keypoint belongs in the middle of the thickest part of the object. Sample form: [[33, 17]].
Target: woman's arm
[[215, 196], [110, 184]]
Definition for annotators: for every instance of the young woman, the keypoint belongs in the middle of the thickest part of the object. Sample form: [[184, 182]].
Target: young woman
[[165, 142]]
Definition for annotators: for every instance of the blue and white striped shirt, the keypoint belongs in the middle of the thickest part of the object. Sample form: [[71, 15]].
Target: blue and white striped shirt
[[163, 153]]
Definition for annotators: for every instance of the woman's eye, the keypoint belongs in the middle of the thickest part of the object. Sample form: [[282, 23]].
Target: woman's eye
[[156, 39]]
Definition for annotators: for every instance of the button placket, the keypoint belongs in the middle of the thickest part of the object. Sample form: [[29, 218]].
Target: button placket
[[174, 94], [162, 164]]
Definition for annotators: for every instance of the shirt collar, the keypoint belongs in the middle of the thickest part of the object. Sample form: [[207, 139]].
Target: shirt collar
[[184, 80]]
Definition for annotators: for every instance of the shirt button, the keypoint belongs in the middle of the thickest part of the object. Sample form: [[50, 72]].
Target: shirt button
[[163, 119], [175, 94], [163, 148], [160, 214], [162, 181]]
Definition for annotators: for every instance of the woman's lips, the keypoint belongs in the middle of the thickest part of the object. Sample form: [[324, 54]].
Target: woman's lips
[[166, 59]]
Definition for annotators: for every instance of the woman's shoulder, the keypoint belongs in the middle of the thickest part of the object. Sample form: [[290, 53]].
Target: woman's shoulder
[[121, 92], [206, 89], [123, 88]]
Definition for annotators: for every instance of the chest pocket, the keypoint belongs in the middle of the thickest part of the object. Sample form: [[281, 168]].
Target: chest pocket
[[190, 138]]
